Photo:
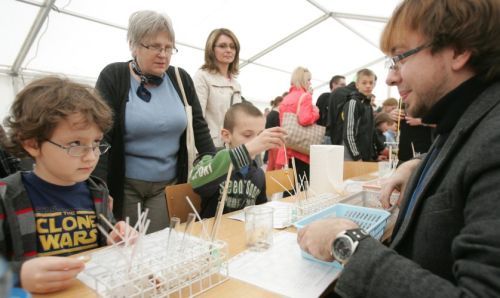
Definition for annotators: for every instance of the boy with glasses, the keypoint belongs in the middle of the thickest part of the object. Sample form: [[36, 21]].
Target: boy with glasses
[[54, 210]]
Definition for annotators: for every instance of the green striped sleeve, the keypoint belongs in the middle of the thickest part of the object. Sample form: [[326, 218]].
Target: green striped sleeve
[[211, 168]]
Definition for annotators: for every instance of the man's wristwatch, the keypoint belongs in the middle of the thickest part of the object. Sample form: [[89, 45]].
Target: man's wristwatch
[[345, 244]]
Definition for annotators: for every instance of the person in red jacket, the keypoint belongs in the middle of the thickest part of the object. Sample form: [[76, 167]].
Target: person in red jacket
[[308, 114]]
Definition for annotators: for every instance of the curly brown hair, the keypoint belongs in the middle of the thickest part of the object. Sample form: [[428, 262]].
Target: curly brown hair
[[43, 103]]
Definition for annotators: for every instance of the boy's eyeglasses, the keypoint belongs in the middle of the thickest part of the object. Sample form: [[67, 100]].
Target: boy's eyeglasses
[[393, 62], [81, 150], [158, 50]]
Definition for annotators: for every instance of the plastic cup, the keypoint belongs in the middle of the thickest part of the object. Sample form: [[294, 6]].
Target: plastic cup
[[384, 168], [259, 227]]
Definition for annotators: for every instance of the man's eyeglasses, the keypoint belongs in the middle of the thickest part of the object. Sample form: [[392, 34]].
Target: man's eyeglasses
[[224, 46], [81, 150], [159, 50], [393, 62]]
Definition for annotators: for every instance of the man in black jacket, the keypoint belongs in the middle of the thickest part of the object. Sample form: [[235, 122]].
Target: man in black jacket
[[335, 107], [323, 103], [446, 241]]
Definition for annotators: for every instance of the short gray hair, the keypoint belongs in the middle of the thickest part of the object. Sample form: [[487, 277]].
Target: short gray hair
[[148, 23]]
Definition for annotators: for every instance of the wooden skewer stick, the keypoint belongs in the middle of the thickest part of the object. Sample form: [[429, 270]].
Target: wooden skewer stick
[[204, 231], [284, 188], [297, 189], [287, 173], [111, 227], [220, 206], [286, 157], [399, 120]]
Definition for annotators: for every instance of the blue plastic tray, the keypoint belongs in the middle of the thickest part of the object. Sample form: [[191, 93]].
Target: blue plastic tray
[[371, 220]]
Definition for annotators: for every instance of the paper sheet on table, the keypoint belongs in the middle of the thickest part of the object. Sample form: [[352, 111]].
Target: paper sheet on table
[[282, 269], [282, 215]]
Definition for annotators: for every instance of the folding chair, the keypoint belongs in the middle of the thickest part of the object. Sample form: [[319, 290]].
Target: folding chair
[[176, 200], [359, 168]]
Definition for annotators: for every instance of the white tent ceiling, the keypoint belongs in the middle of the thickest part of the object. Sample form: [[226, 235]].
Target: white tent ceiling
[[79, 37]]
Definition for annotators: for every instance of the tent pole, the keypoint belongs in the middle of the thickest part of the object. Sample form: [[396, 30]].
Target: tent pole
[[284, 40], [30, 38]]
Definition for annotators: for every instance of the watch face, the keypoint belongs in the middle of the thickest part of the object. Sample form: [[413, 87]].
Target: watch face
[[342, 248]]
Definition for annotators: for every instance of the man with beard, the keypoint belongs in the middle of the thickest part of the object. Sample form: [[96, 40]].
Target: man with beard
[[446, 242]]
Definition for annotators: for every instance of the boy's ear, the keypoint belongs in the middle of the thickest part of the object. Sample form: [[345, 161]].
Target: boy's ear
[[226, 136], [31, 146]]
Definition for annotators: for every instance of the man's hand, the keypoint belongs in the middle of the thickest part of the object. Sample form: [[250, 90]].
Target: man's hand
[[317, 238], [49, 274], [268, 139], [397, 114], [397, 181], [413, 121]]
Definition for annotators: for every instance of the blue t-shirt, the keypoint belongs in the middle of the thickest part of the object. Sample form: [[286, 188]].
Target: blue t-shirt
[[65, 216], [153, 132]]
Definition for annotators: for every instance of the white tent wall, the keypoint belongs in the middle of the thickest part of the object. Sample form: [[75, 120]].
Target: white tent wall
[[79, 37], [7, 94]]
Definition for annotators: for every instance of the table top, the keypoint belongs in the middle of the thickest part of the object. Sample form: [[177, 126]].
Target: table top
[[231, 231]]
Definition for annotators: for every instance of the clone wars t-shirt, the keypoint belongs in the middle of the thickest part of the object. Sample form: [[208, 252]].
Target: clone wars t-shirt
[[65, 216]]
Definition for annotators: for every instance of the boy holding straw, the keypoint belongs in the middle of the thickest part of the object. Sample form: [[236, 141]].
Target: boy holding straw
[[53, 211], [243, 132]]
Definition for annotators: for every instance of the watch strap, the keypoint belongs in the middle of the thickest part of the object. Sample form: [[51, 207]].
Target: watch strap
[[357, 234]]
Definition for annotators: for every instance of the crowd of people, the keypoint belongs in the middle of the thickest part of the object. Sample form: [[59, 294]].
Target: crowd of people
[[98, 152]]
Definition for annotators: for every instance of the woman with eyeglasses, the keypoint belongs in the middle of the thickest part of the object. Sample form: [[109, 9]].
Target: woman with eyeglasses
[[149, 139], [215, 81]]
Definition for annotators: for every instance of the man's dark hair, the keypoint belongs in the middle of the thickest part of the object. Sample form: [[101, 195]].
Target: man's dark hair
[[335, 79]]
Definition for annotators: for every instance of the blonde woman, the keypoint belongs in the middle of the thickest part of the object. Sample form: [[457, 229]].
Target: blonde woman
[[308, 114], [215, 82]]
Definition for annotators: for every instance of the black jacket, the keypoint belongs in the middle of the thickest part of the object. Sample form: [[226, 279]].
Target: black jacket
[[358, 127], [420, 136], [322, 103], [336, 103], [114, 84], [449, 244]]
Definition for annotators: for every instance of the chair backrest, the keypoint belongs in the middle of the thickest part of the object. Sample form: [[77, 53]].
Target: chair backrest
[[359, 168], [284, 177], [176, 200]]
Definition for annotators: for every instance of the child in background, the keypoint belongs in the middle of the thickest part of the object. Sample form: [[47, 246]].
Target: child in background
[[390, 133], [382, 123], [358, 130], [54, 210], [244, 134]]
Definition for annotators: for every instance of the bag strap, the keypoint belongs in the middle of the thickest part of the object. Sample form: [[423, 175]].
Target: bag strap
[[300, 101], [181, 86], [232, 97]]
